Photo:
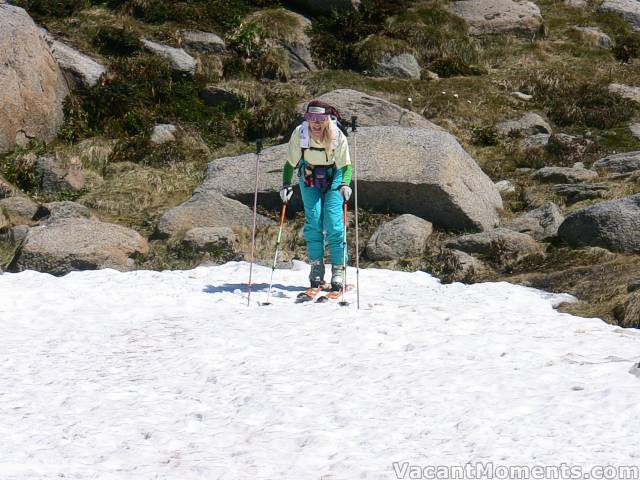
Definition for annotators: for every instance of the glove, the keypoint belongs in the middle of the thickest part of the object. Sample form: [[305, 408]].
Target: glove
[[286, 193], [345, 190]]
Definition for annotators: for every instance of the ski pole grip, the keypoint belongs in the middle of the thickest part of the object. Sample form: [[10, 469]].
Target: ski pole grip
[[258, 146], [353, 123]]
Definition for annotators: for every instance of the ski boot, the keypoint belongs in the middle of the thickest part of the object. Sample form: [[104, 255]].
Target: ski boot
[[316, 276], [337, 278]]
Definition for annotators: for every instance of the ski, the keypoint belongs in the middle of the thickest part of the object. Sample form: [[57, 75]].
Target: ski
[[333, 295], [310, 294]]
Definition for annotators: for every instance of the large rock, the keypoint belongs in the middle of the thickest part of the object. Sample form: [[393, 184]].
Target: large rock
[[180, 60], [541, 223], [405, 236], [19, 210], [403, 170], [374, 111], [619, 163], [564, 175], [614, 225], [78, 244], [498, 16], [205, 42], [33, 87], [206, 209], [502, 246], [325, 7], [628, 9], [529, 124], [79, 69]]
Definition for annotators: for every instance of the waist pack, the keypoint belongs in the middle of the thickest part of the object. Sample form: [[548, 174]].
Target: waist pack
[[318, 176]]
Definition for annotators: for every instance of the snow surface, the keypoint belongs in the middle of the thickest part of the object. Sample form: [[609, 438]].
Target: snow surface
[[169, 375]]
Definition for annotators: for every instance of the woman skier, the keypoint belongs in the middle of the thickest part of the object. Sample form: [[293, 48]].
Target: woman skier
[[319, 151]]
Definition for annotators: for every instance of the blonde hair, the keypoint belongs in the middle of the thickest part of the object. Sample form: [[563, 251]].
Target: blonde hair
[[328, 135]]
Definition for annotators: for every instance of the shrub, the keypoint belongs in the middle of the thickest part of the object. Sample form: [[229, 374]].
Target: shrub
[[485, 136], [569, 101], [441, 40], [53, 8], [451, 65], [20, 169], [76, 120], [627, 47], [334, 35], [139, 92], [371, 50], [116, 41]]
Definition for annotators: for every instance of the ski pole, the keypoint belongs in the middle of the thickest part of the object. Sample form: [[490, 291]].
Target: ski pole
[[344, 256], [355, 198], [275, 258], [255, 211]]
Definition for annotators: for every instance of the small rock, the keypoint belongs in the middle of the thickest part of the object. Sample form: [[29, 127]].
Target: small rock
[[163, 133], [180, 60], [203, 42], [530, 124], [54, 176], [403, 65], [214, 96], [595, 37], [535, 141], [62, 210], [209, 238], [80, 69], [461, 266], [501, 245], [522, 96], [19, 210], [429, 75], [405, 236], [626, 91], [619, 163], [505, 186], [581, 191], [541, 223], [564, 175]]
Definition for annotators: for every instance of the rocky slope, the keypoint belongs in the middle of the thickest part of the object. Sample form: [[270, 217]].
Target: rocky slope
[[498, 139]]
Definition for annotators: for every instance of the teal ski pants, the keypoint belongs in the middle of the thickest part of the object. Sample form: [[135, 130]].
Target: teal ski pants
[[323, 214]]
